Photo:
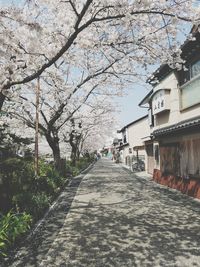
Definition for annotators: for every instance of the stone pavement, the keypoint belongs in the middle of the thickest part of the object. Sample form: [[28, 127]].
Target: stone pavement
[[116, 219]]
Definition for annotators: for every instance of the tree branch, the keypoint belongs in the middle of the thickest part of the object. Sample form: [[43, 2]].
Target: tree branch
[[88, 78]]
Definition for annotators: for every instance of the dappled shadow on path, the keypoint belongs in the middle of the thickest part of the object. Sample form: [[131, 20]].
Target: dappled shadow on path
[[120, 220]]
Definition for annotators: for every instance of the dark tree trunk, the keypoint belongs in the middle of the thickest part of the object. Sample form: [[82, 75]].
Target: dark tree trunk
[[74, 141], [56, 156], [54, 145], [2, 99], [78, 154], [73, 154]]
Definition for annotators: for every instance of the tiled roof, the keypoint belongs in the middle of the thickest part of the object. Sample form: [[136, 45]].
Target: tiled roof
[[178, 126]]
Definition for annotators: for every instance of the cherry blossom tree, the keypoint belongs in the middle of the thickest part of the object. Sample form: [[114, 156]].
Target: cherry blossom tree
[[95, 135], [38, 35], [57, 108], [91, 126]]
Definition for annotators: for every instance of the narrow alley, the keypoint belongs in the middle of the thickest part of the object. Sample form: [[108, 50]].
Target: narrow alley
[[109, 217]]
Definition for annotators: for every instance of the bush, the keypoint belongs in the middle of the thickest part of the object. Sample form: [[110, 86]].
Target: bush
[[22, 201], [12, 226], [50, 180], [22, 192], [19, 184], [40, 202], [17, 175], [81, 164], [75, 171], [32, 203]]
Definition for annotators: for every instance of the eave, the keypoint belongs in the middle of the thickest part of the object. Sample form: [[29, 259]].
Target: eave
[[187, 124], [146, 99]]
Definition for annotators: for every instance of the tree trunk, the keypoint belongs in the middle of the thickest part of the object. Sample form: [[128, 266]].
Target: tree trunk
[[2, 99], [54, 145], [73, 154], [72, 142], [78, 154], [56, 156]]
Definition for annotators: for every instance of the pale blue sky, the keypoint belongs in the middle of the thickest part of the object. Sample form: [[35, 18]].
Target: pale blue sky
[[130, 110], [8, 2]]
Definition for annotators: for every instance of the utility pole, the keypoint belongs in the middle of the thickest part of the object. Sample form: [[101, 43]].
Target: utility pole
[[37, 94]]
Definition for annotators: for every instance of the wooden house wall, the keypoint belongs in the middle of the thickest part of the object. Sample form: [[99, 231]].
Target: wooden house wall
[[170, 159], [181, 158]]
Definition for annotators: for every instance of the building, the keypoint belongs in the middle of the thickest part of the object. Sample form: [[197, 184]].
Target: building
[[174, 118], [132, 146]]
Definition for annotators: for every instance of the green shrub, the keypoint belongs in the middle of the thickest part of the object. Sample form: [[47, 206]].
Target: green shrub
[[12, 226], [75, 171], [40, 202], [50, 180], [22, 191], [22, 201], [17, 176], [33, 203], [81, 164]]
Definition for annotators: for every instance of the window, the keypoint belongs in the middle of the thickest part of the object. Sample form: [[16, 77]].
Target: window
[[125, 136], [195, 69], [190, 95], [190, 85]]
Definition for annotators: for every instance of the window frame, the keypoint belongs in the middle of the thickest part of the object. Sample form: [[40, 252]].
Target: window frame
[[196, 77], [190, 67]]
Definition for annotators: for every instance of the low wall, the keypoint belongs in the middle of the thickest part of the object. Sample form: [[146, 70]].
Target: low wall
[[190, 186]]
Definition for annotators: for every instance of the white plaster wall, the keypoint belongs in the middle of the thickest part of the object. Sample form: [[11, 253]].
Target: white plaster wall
[[191, 112], [137, 131], [175, 114], [125, 153], [164, 119]]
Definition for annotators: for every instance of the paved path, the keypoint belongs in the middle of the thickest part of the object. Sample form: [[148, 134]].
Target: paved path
[[116, 219]]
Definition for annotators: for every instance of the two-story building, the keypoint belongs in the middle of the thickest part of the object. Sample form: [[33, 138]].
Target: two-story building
[[174, 118], [133, 136]]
